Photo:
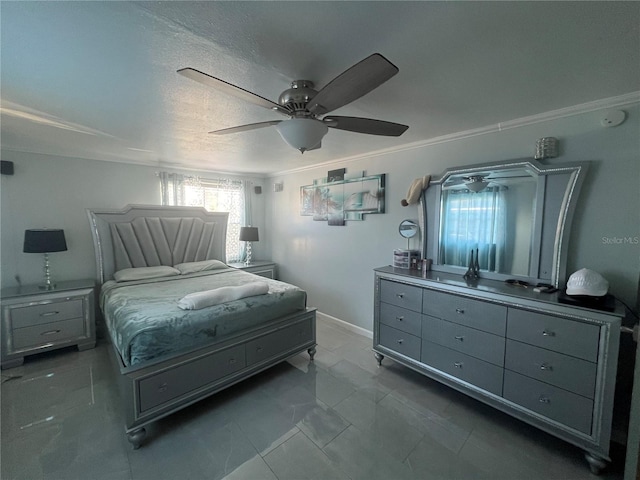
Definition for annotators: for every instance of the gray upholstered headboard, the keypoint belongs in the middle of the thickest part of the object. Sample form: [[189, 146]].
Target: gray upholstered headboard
[[152, 235]]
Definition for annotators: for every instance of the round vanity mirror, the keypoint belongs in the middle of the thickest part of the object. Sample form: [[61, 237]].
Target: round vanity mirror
[[408, 228]]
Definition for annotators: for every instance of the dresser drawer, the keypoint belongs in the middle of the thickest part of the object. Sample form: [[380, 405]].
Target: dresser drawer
[[48, 333], [399, 341], [477, 314], [46, 313], [275, 343], [401, 295], [472, 370], [476, 343], [554, 333], [401, 318], [165, 386], [560, 405], [568, 373]]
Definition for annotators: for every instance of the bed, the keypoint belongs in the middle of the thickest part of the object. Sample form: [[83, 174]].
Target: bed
[[150, 260]]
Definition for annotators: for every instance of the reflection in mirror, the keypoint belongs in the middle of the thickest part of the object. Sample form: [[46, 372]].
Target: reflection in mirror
[[408, 228], [516, 214], [491, 215]]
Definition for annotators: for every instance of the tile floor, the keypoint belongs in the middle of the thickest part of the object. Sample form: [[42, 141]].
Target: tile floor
[[340, 417]]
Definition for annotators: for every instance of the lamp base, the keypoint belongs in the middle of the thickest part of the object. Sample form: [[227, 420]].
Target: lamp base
[[47, 275], [248, 258]]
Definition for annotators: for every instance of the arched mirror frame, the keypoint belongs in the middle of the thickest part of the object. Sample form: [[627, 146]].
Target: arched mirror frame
[[557, 191]]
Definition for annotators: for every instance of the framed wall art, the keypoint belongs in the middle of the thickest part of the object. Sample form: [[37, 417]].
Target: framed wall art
[[341, 199]]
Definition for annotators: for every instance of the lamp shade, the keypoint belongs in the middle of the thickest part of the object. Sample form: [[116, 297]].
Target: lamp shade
[[44, 241], [248, 234], [302, 133]]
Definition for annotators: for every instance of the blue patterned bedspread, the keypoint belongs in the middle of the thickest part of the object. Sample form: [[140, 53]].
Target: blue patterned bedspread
[[145, 323]]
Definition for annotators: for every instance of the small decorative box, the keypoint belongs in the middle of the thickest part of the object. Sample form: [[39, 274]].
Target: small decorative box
[[406, 258]]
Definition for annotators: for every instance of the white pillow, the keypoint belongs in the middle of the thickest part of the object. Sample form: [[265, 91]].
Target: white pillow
[[143, 273], [193, 267]]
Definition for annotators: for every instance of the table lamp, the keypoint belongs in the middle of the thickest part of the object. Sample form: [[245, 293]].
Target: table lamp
[[248, 234], [45, 240]]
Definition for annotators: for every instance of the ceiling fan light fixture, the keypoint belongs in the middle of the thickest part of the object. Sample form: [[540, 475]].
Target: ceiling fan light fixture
[[476, 183], [302, 133]]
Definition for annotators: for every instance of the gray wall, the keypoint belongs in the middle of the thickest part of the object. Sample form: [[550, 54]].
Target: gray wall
[[53, 192], [334, 264]]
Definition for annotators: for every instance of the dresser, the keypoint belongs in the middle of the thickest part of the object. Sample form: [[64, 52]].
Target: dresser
[[35, 320], [550, 364]]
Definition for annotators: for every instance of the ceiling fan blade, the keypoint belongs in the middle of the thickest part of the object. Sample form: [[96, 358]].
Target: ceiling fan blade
[[244, 128], [352, 84], [231, 89], [508, 177], [366, 125]]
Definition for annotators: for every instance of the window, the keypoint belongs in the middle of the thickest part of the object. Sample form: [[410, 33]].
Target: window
[[216, 195]]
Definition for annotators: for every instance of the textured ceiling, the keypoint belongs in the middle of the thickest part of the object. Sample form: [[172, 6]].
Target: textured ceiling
[[98, 80]]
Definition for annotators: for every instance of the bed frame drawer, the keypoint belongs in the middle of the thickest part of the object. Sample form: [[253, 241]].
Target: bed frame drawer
[[472, 370], [552, 402], [165, 386], [279, 342]]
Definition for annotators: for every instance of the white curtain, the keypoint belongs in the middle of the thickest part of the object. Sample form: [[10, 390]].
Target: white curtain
[[247, 185], [170, 188], [214, 194], [474, 222]]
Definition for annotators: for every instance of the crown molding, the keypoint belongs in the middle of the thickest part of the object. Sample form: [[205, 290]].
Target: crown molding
[[611, 102]]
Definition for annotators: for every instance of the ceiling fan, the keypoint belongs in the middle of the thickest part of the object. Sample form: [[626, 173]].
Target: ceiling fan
[[304, 129], [479, 181]]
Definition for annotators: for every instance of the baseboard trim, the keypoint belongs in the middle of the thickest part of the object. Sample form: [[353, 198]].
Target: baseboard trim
[[346, 325]]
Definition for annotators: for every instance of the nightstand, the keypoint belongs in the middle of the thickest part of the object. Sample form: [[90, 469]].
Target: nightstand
[[259, 267], [36, 320]]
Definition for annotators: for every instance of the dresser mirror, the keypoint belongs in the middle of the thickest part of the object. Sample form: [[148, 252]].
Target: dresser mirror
[[511, 218]]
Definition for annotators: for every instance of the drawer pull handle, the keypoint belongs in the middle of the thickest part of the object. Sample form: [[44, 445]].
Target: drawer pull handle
[[459, 337], [399, 318], [544, 399], [163, 387], [548, 333], [400, 295], [51, 332], [458, 364], [232, 361], [546, 366], [460, 310], [49, 314], [400, 341], [258, 349]]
